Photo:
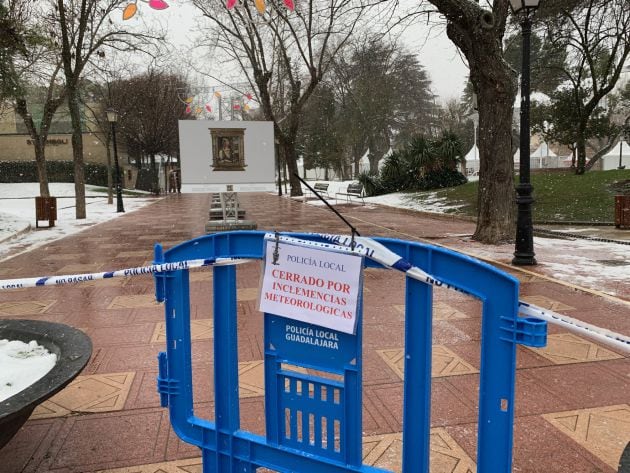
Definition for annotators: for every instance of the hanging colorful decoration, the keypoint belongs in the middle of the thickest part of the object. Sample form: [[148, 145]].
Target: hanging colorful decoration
[[260, 6], [132, 8], [230, 4], [129, 11], [158, 4], [208, 102]]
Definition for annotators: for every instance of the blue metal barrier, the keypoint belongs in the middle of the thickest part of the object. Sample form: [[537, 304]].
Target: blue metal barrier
[[313, 423]]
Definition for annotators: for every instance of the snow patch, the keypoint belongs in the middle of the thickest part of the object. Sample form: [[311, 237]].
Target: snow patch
[[21, 364], [18, 213]]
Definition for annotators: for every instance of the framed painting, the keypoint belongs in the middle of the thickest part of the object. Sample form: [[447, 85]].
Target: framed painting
[[228, 149]]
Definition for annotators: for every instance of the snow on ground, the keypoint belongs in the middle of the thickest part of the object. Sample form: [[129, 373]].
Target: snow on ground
[[17, 214], [22, 365], [429, 203], [600, 266]]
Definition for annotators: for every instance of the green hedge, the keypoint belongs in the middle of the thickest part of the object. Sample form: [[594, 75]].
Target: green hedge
[[58, 171]]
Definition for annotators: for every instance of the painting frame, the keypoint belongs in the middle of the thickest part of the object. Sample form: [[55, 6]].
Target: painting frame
[[228, 149]]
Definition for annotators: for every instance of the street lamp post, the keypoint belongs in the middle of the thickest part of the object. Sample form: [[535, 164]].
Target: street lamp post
[[625, 135], [112, 118], [524, 251], [277, 143]]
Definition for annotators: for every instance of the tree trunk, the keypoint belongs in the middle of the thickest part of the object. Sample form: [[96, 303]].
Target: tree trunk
[[494, 82], [581, 152], [289, 154], [496, 210], [77, 152], [40, 161], [39, 144]]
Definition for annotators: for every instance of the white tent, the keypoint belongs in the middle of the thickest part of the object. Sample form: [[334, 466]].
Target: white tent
[[381, 162], [611, 159], [566, 161], [517, 156], [543, 157], [315, 173], [364, 162], [472, 161]]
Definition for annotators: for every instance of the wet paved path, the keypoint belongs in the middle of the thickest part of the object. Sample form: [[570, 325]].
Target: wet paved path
[[573, 397]]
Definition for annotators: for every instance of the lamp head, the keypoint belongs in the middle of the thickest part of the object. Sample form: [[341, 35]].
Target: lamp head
[[112, 115], [523, 5]]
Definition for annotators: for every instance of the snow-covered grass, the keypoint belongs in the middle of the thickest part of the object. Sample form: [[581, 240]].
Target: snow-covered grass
[[17, 214], [22, 365]]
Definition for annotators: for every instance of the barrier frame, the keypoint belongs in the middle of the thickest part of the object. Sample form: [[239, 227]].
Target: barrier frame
[[226, 448]]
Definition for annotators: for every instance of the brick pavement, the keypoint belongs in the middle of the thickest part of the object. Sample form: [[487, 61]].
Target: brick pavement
[[572, 407]]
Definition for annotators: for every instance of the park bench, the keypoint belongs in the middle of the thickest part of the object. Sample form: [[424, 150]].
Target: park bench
[[354, 189], [45, 209], [321, 188]]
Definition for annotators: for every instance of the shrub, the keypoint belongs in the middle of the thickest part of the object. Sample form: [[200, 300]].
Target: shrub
[[422, 164], [58, 171]]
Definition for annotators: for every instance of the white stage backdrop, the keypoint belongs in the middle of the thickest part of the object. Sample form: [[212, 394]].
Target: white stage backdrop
[[216, 154]]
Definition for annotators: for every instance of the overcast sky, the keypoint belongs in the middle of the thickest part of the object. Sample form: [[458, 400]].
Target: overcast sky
[[436, 53]]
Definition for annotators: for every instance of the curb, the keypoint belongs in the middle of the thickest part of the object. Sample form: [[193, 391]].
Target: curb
[[566, 235], [24, 230]]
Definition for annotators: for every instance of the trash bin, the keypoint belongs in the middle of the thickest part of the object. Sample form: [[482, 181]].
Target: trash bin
[[622, 211], [45, 209]]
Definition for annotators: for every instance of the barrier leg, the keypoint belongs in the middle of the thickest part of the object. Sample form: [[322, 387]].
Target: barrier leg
[[227, 416], [417, 388]]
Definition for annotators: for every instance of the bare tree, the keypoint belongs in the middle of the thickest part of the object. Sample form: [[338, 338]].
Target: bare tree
[[30, 78], [84, 27], [54, 94], [284, 54], [150, 109]]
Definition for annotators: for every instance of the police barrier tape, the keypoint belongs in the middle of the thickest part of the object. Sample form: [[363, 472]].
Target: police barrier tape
[[361, 246], [139, 271]]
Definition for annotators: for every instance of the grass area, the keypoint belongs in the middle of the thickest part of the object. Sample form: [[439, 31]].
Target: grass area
[[559, 196]]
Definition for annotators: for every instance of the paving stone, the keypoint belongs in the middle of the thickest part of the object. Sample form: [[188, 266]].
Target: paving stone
[[444, 362], [25, 307], [565, 348], [92, 393], [604, 431]]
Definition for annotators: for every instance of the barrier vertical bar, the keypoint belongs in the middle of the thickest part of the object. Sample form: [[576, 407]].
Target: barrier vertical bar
[[496, 381], [417, 388], [353, 385], [227, 415]]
